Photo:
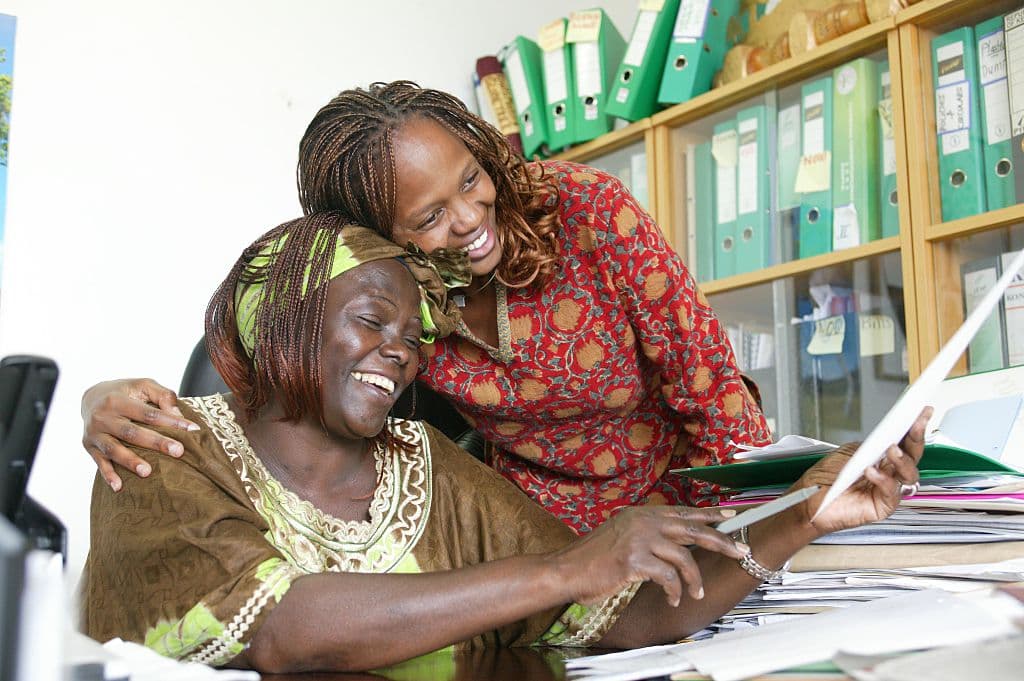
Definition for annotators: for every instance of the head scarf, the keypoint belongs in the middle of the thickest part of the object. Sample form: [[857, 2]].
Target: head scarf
[[434, 273]]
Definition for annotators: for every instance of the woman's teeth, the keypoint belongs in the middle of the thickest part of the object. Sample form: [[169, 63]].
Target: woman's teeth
[[382, 382], [480, 241]]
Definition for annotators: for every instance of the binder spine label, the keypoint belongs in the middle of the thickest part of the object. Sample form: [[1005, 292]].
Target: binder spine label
[[554, 76], [723, 149], [552, 36], [517, 81], [1014, 24], [846, 227], [640, 39], [952, 99], [953, 117], [814, 123], [748, 179], [584, 26], [885, 125], [587, 58], [992, 72], [690, 21]]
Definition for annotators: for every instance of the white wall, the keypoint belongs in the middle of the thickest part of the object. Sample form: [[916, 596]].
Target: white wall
[[152, 140]]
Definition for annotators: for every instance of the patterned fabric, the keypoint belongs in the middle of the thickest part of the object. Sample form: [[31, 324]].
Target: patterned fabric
[[191, 560], [609, 375]]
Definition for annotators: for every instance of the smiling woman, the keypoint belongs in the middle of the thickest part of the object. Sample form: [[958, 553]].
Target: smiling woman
[[303, 526], [585, 356]]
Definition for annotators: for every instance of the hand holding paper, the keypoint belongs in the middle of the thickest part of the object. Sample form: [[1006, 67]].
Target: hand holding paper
[[877, 495], [901, 416]]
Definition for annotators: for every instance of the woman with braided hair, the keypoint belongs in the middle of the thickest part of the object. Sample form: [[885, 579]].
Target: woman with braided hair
[[586, 356], [305, 529]]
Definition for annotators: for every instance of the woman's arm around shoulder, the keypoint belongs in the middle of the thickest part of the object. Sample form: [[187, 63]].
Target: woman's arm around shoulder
[[116, 414]]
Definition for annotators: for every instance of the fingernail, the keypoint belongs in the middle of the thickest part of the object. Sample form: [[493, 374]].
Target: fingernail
[[115, 485], [728, 512], [700, 593], [192, 427], [742, 548], [176, 411], [143, 469], [176, 449], [899, 453]]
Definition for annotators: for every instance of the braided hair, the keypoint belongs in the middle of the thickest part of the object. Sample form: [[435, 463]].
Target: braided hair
[[284, 366], [347, 164]]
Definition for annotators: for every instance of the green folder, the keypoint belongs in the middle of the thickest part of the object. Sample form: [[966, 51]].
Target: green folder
[[995, 114], [753, 199], [1013, 31], [597, 48], [787, 161], [958, 124], [556, 61], [634, 91], [698, 46], [887, 155], [938, 461], [521, 60], [815, 231], [724, 152], [987, 350], [701, 219], [855, 208]]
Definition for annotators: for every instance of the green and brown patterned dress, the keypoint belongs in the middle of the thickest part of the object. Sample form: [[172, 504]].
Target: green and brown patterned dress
[[191, 560]]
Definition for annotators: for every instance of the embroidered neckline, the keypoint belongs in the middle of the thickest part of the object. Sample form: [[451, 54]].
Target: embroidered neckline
[[316, 541], [502, 353]]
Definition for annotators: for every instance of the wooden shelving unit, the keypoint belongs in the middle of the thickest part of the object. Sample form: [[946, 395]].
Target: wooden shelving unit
[[931, 285]]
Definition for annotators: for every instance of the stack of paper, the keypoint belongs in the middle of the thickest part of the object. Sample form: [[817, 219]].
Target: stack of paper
[[967, 518], [911, 622]]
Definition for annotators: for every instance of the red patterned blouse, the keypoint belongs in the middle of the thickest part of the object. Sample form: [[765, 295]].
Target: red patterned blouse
[[612, 373]]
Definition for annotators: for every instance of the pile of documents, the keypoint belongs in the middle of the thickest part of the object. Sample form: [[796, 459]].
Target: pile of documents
[[963, 530], [861, 636]]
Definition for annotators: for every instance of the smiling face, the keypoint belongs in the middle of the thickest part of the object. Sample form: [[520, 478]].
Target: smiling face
[[371, 336], [443, 196]]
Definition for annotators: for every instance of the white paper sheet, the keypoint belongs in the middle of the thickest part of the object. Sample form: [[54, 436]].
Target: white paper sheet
[[787, 446], [902, 415]]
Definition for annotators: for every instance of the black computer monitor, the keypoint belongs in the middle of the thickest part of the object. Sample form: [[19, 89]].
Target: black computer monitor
[[26, 388], [13, 549]]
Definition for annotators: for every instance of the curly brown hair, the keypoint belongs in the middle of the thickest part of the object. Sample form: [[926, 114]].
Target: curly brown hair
[[347, 164]]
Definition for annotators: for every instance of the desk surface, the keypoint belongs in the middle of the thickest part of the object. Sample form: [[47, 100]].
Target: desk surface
[[500, 664], [491, 664]]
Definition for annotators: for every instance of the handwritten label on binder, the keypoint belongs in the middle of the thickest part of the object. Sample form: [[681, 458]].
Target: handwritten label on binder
[[584, 26], [814, 174], [877, 335], [828, 336], [845, 227], [551, 36]]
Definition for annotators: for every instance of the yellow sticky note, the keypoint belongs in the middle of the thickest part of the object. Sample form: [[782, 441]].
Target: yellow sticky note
[[584, 26], [877, 335], [828, 336], [651, 5], [551, 36], [725, 148], [814, 174]]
